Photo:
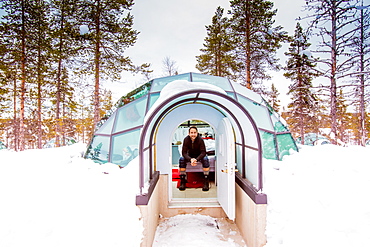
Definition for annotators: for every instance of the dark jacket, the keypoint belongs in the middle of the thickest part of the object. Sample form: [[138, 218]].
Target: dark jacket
[[196, 149]]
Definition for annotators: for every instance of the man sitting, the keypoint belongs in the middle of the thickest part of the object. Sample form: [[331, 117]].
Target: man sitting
[[193, 150]]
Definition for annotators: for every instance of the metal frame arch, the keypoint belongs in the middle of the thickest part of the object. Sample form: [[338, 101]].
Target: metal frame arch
[[154, 115]]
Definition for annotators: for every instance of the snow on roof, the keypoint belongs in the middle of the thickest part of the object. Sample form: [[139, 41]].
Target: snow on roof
[[179, 86]]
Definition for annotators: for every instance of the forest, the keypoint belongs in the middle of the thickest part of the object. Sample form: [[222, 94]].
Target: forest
[[56, 53]]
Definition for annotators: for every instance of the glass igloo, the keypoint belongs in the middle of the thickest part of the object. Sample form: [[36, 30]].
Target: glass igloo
[[132, 127]]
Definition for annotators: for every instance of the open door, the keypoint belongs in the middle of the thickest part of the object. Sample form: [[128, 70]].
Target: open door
[[226, 167]]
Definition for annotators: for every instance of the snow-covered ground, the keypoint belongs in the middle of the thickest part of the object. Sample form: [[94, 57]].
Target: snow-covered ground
[[53, 197], [197, 230], [319, 197]]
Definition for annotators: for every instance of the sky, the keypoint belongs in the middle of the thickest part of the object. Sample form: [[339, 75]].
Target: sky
[[316, 197], [176, 29]]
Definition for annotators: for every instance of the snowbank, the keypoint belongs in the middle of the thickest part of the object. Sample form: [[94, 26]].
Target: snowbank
[[53, 197], [319, 197]]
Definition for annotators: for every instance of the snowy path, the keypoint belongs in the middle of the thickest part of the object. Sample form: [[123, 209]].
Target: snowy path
[[197, 230]]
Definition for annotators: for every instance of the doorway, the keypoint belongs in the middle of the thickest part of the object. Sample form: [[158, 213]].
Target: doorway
[[162, 153], [195, 175]]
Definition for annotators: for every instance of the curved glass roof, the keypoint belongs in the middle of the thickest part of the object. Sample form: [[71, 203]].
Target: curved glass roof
[[117, 135]]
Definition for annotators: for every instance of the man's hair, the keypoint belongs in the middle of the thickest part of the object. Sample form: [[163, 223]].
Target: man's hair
[[193, 127]]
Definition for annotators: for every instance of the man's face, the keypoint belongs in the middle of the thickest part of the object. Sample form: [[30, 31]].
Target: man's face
[[193, 134]]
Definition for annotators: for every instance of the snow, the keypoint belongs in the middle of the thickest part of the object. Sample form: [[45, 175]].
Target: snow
[[306, 53], [191, 230], [53, 197], [319, 197]]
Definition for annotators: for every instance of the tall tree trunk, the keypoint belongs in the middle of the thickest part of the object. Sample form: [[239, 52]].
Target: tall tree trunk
[[15, 120], [57, 106], [218, 61], [362, 83], [39, 119], [63, 133], [39, 87], [248, 46], [301, 123], [59, 75], [301, 99], [97, 84], [333, 83], [97, 67], [23, 81]]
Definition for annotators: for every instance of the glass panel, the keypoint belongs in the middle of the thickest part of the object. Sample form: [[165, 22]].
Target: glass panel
[[268, 105], [106, 128], [259, 113], [243, 91], [312, 138], [158, 84], [153, 98], [248, 130], [131, 115], [2, 145], [278, 126], [134, 94], [238, 149], [285, 143], [98, 149], [252, 166], [125, 147], [231, 94], [268, 145], [146, 167], [214, 80]]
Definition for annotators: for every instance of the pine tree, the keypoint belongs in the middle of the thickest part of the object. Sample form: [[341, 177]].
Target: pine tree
[[85, 116], [5, 75], [332, 21], [361, 50], [8, 92], [68, 105], [256, 40], [273, 98], [344, 120], [66, 38], [217, 58], [39, 60], [110, 33], [301, 71], [16, 23]]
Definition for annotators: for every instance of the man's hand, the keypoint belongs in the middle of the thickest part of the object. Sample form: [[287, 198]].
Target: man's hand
[[193, 162]]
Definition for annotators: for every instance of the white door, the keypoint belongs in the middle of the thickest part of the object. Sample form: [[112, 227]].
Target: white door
[[226, 167]]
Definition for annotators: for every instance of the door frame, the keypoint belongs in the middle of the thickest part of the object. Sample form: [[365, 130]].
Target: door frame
[[211, 200]]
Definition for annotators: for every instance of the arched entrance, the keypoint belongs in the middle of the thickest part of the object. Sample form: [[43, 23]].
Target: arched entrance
[[248, 142], [163, 138], [210, 106], [155, 159]]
